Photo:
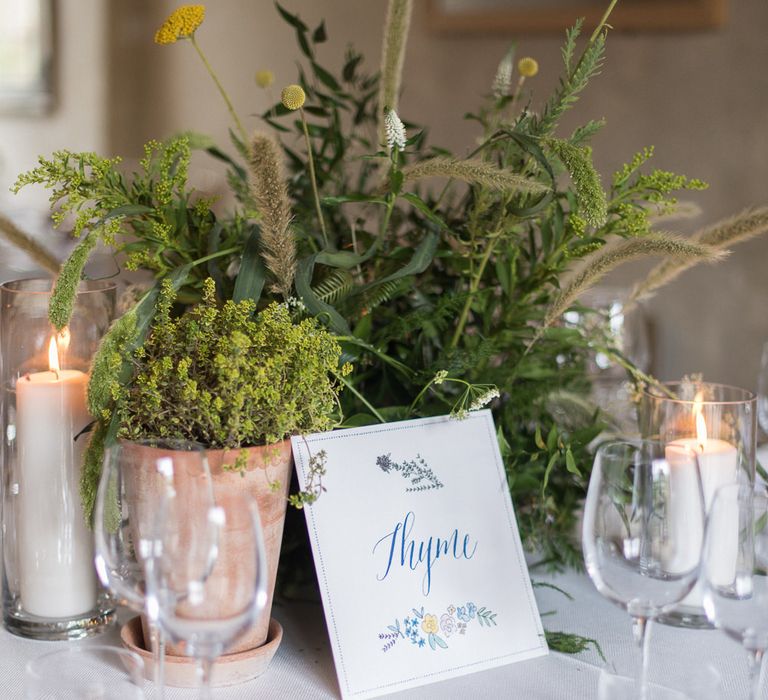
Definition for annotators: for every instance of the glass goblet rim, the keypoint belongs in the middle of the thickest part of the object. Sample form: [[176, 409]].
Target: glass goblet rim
[[735, 395]]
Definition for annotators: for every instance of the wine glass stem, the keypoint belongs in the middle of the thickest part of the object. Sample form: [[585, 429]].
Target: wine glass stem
[[641, 634], [205, 666], [157, 644], [160, 662], [755, 668]]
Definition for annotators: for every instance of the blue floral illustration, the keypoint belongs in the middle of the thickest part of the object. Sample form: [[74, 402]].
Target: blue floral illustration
[[424, 629], [417, 471]]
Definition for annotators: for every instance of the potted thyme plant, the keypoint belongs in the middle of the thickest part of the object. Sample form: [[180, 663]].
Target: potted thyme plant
[[238, 382], [443, 276]]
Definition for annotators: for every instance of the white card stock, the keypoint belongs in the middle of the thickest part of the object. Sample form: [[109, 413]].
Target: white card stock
[[417, 553]]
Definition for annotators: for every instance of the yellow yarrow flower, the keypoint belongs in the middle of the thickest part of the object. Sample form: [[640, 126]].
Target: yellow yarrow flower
[[528, 67], [264, 78], [181, 24], [293, 97]]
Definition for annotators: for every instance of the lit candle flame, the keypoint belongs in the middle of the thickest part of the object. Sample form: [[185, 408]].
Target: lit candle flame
[[701, 425], [53, 356]]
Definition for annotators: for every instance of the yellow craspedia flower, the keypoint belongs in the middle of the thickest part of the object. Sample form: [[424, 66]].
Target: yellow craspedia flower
[[181, 24], [527, 66], [293, 97], [264, 78]]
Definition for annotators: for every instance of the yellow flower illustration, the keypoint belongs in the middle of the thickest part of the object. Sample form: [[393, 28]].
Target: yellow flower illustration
[[181, 24], [528, 67], [429, 624], [292, 97], [264, 78]]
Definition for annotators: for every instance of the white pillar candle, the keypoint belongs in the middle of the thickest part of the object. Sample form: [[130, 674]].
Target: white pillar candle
[[55, 549], [718, 465]]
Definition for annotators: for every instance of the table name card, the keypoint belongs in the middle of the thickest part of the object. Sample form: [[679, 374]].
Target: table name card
[[417, 552]]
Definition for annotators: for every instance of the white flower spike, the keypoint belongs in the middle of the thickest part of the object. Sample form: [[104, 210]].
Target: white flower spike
[[394, 130], [502, 83]]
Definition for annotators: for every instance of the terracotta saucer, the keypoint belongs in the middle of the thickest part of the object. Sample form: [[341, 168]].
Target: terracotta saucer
[[181, 671]]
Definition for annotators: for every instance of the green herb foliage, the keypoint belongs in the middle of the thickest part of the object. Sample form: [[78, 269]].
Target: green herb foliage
[[225, 378]]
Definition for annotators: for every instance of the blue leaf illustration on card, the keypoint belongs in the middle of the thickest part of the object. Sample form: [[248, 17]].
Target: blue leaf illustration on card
[[424, 629], [416, 471]]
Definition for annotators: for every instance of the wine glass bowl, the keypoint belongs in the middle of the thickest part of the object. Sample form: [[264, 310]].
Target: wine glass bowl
[[643, 530], [635, 551], [78, 672], [762, 390], [735, 571], [207, 575], [135, 477]]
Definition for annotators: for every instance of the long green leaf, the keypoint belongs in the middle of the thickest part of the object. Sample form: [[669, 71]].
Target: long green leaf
[[391, 361], [145, 309], [344, 258], [421, 260], [419, 204], [217, 153], [343, 199], [325, 77], [293, 20], [250, 278], [126, 210]]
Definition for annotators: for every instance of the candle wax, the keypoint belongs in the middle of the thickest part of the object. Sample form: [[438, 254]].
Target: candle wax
[[718, 465], [57, 577]]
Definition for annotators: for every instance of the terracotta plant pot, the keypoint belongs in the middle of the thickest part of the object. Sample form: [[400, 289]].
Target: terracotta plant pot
[[265, 466]]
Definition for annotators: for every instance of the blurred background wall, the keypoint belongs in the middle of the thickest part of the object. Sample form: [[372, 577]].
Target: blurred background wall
[[700, 98]]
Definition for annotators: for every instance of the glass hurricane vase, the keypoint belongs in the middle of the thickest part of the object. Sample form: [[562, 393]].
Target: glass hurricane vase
[[717, 422], [50, 588]]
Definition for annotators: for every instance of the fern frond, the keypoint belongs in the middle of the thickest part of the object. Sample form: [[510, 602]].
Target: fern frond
[[473, 171], [335, 287], [583, 134], [438, 317], [569, 48], [460, 361], [382, 293], [570, 87], [593, 205]]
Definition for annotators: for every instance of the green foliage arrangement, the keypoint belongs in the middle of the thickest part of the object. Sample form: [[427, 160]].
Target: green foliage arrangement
[[443, 276]]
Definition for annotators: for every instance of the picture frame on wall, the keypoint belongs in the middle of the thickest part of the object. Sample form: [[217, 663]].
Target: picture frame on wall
[[26, 57], [543, 16]]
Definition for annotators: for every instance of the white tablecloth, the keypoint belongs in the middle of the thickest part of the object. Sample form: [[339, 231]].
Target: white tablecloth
[[303, 667]]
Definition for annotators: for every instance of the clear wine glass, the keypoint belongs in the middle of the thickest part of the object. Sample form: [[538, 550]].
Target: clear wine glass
[[135, 477], [762, 391], [643, 532], [735, 571], [207, 578], [78, 672]]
